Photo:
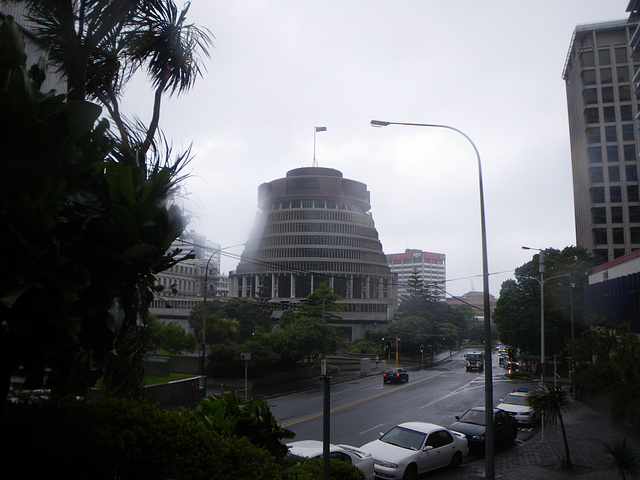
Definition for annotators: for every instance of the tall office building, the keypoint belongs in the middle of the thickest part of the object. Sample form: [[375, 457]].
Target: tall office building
[[315, 226], [430, 268], [603, 106]]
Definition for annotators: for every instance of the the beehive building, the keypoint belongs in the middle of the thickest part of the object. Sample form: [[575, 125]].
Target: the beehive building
[[315, 226]]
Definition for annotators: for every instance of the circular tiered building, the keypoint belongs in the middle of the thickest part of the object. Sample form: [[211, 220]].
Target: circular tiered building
[[314, 226]]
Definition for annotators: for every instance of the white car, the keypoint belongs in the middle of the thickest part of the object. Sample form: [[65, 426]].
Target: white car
[[314, 448], [516, 406], [412, 448]]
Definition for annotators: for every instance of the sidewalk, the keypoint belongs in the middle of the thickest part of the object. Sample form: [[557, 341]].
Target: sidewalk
[[537, 459]]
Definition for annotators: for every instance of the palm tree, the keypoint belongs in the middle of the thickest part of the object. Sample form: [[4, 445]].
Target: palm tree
[[623, 458], [98, 46], [551, 403]]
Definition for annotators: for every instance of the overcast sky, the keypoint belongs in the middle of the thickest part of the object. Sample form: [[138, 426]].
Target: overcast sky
[[492, 69]]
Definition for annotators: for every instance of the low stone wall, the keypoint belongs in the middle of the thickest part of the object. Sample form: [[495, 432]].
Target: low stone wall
[[189, 391]]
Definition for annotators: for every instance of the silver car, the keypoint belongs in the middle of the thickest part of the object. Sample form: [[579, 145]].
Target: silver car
[[412, 448]]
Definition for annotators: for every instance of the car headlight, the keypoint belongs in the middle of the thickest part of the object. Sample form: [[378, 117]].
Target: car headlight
[[386, 464], [478, 437]]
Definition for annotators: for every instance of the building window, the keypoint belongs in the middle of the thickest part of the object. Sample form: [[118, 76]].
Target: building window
[[590, 96], [635, 234], [632, 173], [614, 174], [609, 114], [616, 215], [629, 153], [598, 215], [597, 195], [615, 194], [607, 94], [596, 175], [628, 132], [632, 193], [593, 135], [586, 58], [623, 74], [626, 113], [612, 154], [591, 115], [624, 93], [604, 57], [634, 214], [588, 77], [594, 154], [621, 54], [600, 236], [618, 235], [606, 76], [610, 133]]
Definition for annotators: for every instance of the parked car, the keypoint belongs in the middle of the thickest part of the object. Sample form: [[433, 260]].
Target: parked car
[[314, 448], [472, 424], [412, 448], [395, 375], [516, 406]]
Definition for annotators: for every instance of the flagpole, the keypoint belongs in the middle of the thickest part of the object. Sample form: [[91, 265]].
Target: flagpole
[[315, 130]]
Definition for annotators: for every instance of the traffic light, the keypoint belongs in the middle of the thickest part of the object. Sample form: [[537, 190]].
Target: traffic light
[[387, 344], [421, 348]]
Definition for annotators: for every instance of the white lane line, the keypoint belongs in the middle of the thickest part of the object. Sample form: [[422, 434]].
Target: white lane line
[[448, 394], [372, 428]]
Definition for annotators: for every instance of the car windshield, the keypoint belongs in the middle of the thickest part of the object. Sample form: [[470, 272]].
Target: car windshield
[[515, 400], [405, 438], [474, 356], [473, 416]]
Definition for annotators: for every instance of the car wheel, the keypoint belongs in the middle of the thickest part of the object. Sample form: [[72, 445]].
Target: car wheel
[[456, 460], [411, 473], [512, 438]]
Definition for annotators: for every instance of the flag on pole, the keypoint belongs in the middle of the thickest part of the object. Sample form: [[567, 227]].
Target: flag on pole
[[321, 129]]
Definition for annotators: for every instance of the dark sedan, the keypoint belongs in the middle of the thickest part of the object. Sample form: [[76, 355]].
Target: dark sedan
[[472, 425], [395, 375]]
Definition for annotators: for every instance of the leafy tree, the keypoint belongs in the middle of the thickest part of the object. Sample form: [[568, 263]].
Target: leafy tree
[[517, 312], [321, 303], [229, 416], [90, 221], [551, 403], [170, 337]]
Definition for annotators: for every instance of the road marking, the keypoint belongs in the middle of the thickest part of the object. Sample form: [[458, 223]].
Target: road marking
[[449, 394], [356, 402], [372, 428]]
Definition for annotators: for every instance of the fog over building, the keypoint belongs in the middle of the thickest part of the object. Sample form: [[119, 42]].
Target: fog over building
[[315, 226]]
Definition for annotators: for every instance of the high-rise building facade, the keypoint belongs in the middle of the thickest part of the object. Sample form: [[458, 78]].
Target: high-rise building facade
[[314, 226], [430, 268], [603, 106]]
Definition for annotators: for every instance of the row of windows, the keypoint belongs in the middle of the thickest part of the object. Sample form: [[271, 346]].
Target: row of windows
[[616, 214], [615, 194], [313, 266], [293, 252], [607, 76], [337, 240], [611, 133], [587, 57], [366, 307], [343, 229], [590, 95], [612, 152], [601, 235], [425, 261], [322, 215], [316, 203], [596, 174], [592, 114]]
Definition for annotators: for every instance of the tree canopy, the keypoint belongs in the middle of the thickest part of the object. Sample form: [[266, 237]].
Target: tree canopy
[[87, 212], [517, 312]]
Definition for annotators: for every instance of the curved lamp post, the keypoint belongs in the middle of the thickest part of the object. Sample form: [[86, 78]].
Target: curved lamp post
[[488, 374]]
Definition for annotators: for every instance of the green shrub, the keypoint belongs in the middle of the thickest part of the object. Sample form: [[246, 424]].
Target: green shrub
[[116, 438], [338, 470]]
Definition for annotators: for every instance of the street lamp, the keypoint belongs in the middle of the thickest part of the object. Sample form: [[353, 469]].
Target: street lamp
[[541, 282], [488, 385]]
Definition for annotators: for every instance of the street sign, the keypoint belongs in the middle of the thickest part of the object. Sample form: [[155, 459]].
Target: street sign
[[245, 356]]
